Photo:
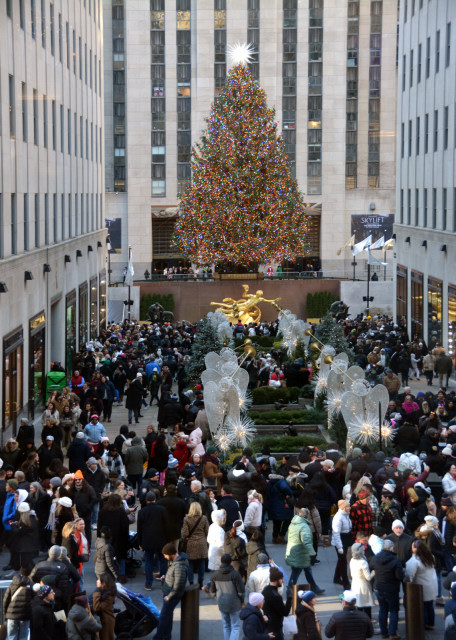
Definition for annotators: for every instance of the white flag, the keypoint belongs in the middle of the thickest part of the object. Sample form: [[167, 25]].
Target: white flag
[[379, 243], [130, 272], [362, 246], [373, 261]]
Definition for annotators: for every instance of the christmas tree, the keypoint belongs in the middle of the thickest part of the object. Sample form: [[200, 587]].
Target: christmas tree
[[206, 340], [243, 205], [329, 332]]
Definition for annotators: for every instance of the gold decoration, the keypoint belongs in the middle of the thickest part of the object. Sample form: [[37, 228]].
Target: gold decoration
[[308, 332], [247, 341], [250, 351], [328, 360], [246, 308], [315, 347]]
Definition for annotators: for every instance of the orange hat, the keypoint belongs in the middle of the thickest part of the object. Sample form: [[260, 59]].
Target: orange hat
[[79, 474]]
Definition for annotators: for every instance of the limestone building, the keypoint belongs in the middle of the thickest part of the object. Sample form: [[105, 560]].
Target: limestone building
[[52, 232], [426, 190], [327, 66]]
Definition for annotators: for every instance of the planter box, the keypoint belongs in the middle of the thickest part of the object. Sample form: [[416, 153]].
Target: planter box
[[278, 429], [272, 407], [238, 276]]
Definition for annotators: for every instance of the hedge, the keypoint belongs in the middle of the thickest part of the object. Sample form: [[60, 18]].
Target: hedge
[[319, 303], [283, 417], [267, 342], [307, 391], [165, 299], [269, 395], [288, 443]]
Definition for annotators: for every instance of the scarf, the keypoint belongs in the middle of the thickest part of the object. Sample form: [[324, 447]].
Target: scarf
[[317, 621]]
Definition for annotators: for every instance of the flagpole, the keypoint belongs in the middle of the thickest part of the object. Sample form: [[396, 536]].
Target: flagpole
[[129, 262], [368, 278]]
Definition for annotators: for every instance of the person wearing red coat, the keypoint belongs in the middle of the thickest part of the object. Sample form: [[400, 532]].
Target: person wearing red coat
[[182, 454]]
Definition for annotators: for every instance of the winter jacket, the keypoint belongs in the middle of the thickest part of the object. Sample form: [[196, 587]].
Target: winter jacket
[[117, 521], [97, 480], [388, 571], [78, 453], [42, 621], [228, 587], [231, 507], [135, 457], [176, 510], [278, 490], [253, 625], [212, 476], [239, 481], [361, 585], [416, 572], [299, 546], [176, 577], [253, 514], [197, 543], [64, 577], [19, 608], [449, 486], [215, 540], [341, 524], [10, 455], [152, 527], [349, 623], [253, 549], [402, 546], [9, 511], [25, 538], [306, 623], [102, 606], [81, 626], [275, 608], [361, 517], [258, 579], [236, 548], [84, 501], [105, 560]]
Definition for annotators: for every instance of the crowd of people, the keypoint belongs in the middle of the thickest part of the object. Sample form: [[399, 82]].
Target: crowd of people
[[72, 493]]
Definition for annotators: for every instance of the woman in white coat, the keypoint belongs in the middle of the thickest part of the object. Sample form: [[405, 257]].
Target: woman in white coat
[[216, 539], [341, 539], [361, 579], [449, 483], [420, 569], [254, 512]]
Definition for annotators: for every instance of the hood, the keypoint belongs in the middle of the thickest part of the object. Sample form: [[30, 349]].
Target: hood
[[300, 520], [22, 496], [136, 442], [237, 473], [7, 449], [218, 516], [181, 446], [248, 610], [101, 542], [275, 477], [77, 613]]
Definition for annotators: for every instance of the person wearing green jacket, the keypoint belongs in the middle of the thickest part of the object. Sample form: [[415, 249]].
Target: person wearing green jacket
[[135, 458], [299, 552]]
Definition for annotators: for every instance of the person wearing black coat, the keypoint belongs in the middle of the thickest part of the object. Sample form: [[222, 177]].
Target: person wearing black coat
[[402, 542], [84, 498], [253, 624], [78, 452], [274, 607], [47, 453], [113, 516], [65, 576], [25, 540], [17, 611], [96, 478], [173, 412], [25, 435], [153, 526], [306, 621], [389, 574], [43, 620], [134, 396], [349, 623], [120, 439], [230, 505], [176, 510]]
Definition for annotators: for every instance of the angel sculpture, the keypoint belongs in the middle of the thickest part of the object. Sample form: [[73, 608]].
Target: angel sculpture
[[221, 325], [363, 408], [340, 379], [292, 330]]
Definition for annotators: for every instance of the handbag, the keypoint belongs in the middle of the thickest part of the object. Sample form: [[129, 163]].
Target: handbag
[[83, 557], [182, 546], [289, 625]]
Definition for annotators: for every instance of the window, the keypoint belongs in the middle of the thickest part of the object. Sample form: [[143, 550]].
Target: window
[[67, 29], [445, 128], [411, 69], [22, 14], [76, 213], [12, 107], [45, 121], [437, 52], [80, 58], [401, 212], [62, 215], [24, 112], [35, 116], [74, 52], [418, 71], [425, 207], [81, 137], [51, 20], [26, 223], [402, 139], [69, 130], [85, 62], [33, 18], [409, 138], [434, 208], [409, 206], [426, 133], [37, 220], [54, 217], [60, 38], [9, 8], [418, 126], [90, 67], [404, 70], [87, 140], [454, 209], [448, 45], [436, 130], [62, 130], [417, 207], [70, 217], [413, 7], [444, 209], [43, 24], [54, 126], [428, 57], [13, 224]]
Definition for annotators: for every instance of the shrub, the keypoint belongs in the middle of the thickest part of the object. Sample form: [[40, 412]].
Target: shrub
[[283, 417], [266, 342], [319, 303], [307, 391], [288, 443], [269, 395]]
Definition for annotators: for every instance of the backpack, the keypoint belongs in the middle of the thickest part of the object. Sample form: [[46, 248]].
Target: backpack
[[404, 463]]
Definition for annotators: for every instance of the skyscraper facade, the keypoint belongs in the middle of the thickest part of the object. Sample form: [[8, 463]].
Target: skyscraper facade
[[426, 192], [52, 231], [328, 68]]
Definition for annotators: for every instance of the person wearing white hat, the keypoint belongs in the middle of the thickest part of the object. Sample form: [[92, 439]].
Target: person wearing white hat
[[26, 540], [253, 624], [350, 622]]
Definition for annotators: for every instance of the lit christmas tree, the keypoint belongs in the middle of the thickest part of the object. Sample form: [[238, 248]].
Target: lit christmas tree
[[243, 204]]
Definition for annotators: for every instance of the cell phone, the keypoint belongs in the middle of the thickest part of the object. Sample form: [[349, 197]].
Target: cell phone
[[135, 507]]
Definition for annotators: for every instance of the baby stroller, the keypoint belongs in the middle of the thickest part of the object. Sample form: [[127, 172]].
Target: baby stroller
[[131, 562], [139, 618]]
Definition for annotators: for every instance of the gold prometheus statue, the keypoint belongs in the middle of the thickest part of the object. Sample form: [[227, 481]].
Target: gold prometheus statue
[[246, 308]]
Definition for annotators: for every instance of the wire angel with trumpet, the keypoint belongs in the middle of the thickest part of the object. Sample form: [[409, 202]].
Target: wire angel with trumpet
[[292, 331]]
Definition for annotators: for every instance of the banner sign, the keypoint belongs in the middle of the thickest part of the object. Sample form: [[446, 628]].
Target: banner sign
[[376, 225]]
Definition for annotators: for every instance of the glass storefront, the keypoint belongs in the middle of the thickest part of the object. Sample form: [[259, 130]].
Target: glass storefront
[[401, 291], [452, 320], [83, 326], [93, 307], [102, 314], [13, 370], [434, 312], [37, 337], [417, 304], [70, 331]]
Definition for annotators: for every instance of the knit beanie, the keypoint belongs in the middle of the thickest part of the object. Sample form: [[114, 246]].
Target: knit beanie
[[55, 481], [397, 523], [306, 596], [172, 462], [255, 599], [12, 483], [44, 591]]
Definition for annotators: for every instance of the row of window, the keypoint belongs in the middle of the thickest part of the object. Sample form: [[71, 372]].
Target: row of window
[[427, 61], [253, 36], [219, 44], [351, 135], [67, 49], [428, 144], [118, 65], [413, 4], [428, 208], [315, 97], [184, 105], [158, 102], [65, 216], [50, 126], [375, 70]]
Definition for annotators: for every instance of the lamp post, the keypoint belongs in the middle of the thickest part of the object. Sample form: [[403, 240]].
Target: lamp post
[[109, 247]]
